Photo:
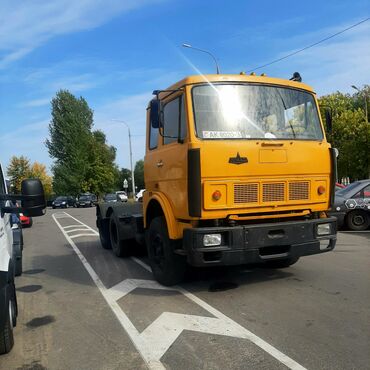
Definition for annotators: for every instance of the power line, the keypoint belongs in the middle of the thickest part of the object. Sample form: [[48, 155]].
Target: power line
[[310, 46]]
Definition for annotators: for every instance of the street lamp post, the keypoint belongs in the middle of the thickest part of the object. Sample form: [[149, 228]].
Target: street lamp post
[[365, 99], [204, 51], [132, 171]]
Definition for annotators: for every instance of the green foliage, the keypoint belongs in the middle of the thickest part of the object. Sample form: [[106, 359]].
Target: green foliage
[[350, 135], [83, 160], [18, 169], [139, 175]]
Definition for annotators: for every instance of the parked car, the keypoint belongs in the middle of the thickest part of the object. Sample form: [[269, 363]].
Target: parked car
[[339, 186], [64, 201], [17, 243], [122, 196], [352, 206], [139, 195], [25, 220], [110, 198], [86, 200]]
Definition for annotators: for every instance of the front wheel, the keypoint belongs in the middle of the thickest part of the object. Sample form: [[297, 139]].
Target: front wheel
[[6, 332], [168, 268], [358, 220]]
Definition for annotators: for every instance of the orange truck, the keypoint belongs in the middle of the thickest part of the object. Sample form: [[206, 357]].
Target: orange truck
[[237, 170]]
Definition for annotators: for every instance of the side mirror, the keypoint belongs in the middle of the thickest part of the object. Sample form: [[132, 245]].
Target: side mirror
[[155, 112], [33, 198], [328, 119]]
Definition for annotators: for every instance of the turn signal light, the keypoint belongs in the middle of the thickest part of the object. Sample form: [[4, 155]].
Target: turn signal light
[[216, 195], [321, 190]]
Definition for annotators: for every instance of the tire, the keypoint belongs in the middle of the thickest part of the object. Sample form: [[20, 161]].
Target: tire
[[104, 234], [280, 264], [6, 333], [119, 247], [358, 220], [168, 268], [31, 222]]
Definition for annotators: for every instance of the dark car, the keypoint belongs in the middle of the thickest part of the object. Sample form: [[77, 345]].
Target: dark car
[[110, 198], [86, 200], [63, 201], [352, 206]]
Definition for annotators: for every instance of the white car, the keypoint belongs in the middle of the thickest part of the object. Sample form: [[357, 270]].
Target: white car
[[9, 253], [139, 195], [122, 196]]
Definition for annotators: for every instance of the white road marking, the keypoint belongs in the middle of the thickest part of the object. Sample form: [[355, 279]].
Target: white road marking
[[83, 234], [157, 338], [69, 226]]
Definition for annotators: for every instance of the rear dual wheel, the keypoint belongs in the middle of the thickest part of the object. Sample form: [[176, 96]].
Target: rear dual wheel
[[120, 248]]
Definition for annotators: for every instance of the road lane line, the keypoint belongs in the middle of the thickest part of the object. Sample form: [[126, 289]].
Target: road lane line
[[83, 234], [77, 229], [69, 226], [160, 335]]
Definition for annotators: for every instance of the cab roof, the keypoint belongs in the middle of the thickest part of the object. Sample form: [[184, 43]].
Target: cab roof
[[214, 78]]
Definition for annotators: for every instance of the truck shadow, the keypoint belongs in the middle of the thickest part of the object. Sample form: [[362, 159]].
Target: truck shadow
[[217, 279]]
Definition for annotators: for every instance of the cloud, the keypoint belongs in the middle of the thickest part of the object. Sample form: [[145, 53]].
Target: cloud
[[28, 140], [27, 25], [36, 103], [334, 65], [132, 110]]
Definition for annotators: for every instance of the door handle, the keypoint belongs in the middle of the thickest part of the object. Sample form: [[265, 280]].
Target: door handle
[[160, 163]]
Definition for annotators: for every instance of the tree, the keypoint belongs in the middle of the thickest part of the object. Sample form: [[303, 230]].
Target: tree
[[139, 175], [100, 176], [38, 171], [69, 142], [18, 170], [123, 174], [350, 134]]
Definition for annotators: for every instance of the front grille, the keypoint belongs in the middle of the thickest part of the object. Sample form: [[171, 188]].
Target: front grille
[[246, 193], [299, 190], [273, 192], [270, 192]]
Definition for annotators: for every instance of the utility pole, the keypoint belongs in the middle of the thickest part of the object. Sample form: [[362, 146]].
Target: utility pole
[[132, 170]]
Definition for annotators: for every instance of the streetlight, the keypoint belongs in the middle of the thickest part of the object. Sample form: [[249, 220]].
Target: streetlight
[[365, 98], [204, 51], [132, 171]]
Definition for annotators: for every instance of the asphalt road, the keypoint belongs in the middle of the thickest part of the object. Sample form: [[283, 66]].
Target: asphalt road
[[83, 308]]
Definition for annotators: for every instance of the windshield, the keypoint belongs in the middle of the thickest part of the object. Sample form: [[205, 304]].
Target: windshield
[[234, 111], [110, 196], [347, 189], [61, 199], [85, 197]]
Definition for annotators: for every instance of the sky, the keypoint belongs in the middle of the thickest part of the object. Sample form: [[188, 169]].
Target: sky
[[114, 53]]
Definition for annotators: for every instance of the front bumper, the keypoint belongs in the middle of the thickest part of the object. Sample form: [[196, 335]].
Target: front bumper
[[259, 243]]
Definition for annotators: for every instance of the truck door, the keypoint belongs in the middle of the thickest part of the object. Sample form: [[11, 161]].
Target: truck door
[[166, 160]]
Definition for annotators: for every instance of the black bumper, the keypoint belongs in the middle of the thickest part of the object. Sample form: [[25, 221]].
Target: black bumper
[[259, 243]]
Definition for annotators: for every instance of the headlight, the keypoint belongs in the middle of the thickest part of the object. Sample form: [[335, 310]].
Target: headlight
[[210, 240], [323, 229], [63, 202]]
